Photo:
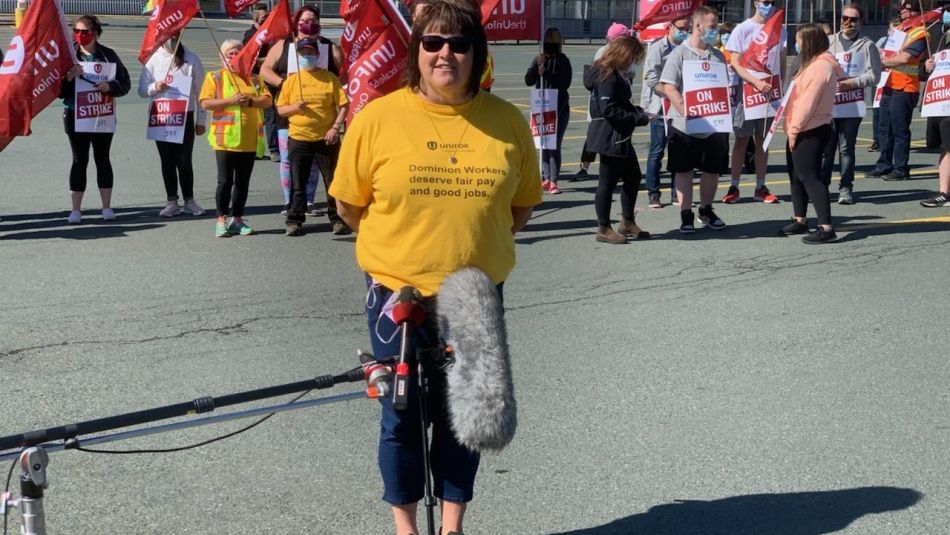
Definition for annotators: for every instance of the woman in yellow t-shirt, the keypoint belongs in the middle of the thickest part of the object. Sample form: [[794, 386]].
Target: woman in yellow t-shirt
[[315, 104], [433, 177], [234, 132]]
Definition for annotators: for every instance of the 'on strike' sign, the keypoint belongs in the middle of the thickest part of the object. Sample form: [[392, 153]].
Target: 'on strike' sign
[[937, 93], [706, 97]]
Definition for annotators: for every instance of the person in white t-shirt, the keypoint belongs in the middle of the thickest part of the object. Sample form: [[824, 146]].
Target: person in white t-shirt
[[739, 41]]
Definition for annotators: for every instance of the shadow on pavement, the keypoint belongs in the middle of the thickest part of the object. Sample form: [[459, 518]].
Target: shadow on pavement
[[798, 513], [887, 196], [80, 232]]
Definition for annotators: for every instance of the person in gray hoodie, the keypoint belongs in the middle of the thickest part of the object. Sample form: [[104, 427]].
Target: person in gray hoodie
[[861, 60]]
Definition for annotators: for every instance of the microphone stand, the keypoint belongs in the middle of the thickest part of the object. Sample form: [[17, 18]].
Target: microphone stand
[[409, 313]]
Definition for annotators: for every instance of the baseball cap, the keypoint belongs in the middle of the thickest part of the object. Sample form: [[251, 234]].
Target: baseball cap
[[617, 30], [912, 5]]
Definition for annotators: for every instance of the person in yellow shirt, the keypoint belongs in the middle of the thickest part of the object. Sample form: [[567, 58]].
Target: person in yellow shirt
[[236, 134], [436, 176], [316, 105]]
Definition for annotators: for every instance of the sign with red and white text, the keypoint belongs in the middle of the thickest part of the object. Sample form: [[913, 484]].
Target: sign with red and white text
[[544, 118], [758, 105], [937, 93], [95, 110], [657, 11], [778, 116], [706, 97], [893, 45], [167, 111], [850, 102], [515, 19]]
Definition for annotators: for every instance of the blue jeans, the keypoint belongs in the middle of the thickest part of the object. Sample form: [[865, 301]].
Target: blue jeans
[[400, 435], [841, 141], [655, 158], [897, 110]]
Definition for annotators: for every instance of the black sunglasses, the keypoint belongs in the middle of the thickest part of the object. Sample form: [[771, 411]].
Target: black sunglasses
[[457, 44], [81, 32], [845, 18]]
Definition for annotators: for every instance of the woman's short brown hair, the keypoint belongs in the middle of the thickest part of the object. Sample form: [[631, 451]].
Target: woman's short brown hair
[[448, 16], [92, 22], [620, 54]]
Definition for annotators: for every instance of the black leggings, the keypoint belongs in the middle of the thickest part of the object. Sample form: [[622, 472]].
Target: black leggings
[[234, 171], [302, 154], [80, 143], [176, 163], [804, 173], [612, 170]]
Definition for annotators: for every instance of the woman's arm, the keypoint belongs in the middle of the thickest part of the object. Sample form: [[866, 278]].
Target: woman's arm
[[520, 216], [270, 63], [122, 83], [350, 214]]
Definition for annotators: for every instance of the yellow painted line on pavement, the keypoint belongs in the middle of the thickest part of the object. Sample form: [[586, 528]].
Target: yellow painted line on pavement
[[938, 219]]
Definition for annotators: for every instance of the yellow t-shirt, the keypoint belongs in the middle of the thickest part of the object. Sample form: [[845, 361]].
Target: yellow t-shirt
[[426, 217], [250, 116], [324, 96]]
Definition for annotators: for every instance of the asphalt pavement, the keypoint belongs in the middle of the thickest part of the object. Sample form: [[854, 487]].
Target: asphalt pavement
[[732, 382]]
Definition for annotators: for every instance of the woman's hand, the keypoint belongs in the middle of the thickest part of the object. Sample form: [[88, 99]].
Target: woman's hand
[[240, 99], [763, 87], [160, 86], [930, 65], [72, 73], [200, 130], [540, 61], [103, 86], [299, 106], [332, 136]]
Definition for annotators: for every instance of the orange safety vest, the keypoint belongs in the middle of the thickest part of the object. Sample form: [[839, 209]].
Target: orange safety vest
[[225, 131], [907, 77], [487, 72]]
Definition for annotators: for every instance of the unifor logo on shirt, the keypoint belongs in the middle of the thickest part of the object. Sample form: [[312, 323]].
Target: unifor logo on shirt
[[432, 145], [705, 65]]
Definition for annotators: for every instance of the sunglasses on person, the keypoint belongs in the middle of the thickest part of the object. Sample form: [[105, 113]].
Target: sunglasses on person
[[853, 20], [457, 44], [79, 31]]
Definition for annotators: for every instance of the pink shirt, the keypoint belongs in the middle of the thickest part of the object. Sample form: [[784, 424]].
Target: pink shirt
[[813, 97]]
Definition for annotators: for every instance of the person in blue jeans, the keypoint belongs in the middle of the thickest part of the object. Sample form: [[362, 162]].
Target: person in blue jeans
[[656, 56]]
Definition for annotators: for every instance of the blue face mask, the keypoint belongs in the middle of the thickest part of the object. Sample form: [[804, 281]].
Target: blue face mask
[[679, 36], [711, 36], [724, 38], [766, 10], [307, 62], [946, 18]]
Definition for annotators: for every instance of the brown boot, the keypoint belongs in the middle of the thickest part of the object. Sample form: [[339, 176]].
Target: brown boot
[[629, 228], [608, 235]]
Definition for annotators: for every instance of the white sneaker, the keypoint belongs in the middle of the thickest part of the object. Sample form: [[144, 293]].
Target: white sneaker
[[108, 214], [191, 207], [74, 218], [171, 209]]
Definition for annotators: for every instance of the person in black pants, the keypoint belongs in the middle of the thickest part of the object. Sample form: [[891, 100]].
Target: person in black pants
[[86, 32], [808, 125], [613, 119], [552, 70]]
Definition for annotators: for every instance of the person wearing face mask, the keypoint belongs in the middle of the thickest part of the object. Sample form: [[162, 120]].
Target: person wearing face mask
[[236, 135], [315, 104], [861, 61], [876, 112], [808, 126], [276, 67], [86, 32], [689, 152], [171, 59], [899, 98], [739, 41], [258, 16], [552, 70], [657, 52]]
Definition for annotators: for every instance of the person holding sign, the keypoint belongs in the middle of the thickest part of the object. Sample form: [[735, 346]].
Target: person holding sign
[[936, 109], [552, 70], [169, 79], [761, 89], [696, 83], [900, 95], [613, 119], [315, 104], [236, 135], [433, 177], [861, 61], [89, 91], [808, 126]]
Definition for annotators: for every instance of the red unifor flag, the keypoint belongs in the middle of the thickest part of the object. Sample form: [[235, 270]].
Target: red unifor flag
[[366, 20], [277, 26], [167, 19], [236, 7], [657, 11], [35, 64], [515, 19], [923, 19], [756, 57], [487, 7], [377, 69]]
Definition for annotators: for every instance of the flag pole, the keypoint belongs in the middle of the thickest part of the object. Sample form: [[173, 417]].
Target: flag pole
[[174, 53], [227, 66]]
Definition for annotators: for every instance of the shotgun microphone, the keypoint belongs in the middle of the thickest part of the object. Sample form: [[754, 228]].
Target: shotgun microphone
[[481, 398]]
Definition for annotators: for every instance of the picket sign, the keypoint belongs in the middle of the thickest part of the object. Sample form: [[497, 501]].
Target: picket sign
[[895, 41], [757, 105], [778, 116], [166, 113], [937, 93], [323, 61], [850, 102], [544, 118], [706, 97], [95, 110]]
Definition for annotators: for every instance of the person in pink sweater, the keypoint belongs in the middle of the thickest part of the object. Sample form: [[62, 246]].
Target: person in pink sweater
[[808, 125]]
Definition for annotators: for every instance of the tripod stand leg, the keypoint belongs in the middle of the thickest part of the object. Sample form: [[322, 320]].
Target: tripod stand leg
[[426, 463]]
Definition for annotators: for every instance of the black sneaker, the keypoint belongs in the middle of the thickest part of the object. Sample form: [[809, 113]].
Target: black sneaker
[[876, 172], [820, 236], [581, 175], [939, 199], [710, 219], [794, 228], [874, 147], [687, 218], [895, 175], [655, 200]]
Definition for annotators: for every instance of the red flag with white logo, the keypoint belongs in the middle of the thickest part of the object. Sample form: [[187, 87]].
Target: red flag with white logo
[[167, 20], [277, 26], [515, 19], [657, 11], [39, 55], [756, 57], [366, 20], [236, 7]]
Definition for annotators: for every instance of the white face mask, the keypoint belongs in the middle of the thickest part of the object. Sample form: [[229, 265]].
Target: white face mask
[[170, 44]]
